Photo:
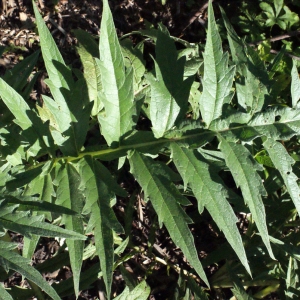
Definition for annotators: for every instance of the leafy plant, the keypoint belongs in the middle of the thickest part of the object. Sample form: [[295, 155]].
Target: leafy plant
[[227, 149], [279, 14]]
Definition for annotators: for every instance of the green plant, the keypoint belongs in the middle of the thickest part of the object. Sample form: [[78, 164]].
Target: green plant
[[219, 147], [280, 14]]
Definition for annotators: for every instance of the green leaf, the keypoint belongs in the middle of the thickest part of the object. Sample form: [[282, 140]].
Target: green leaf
[[4, 294], [295, 85], [218, 77], [69, 113], [244, 171], [257, 83], [134, 58], [165, 197], [102, 218], [70, 196], [267, 8], [288, 248], [169, 90], [38, 205], [58, 73], [12, 260], [238, 289], [279, 123], [292, 280], [278, 4], [88, 50], [140, 292], [26, 224], [283, 163], [17, 77], [117, 82], [68, 116], [16, 104], [237, 46], [210, 193]]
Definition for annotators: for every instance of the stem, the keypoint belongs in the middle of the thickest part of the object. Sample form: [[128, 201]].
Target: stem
[[276, 38]]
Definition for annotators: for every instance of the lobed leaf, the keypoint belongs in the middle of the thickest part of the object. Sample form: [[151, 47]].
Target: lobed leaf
[[279, 123], [69, 113], [210, 193], [17, 77], [4, 294], [117, 82], [70, 196], [283, 163], [243, 169], [218, 77], [295, 85], [102, 219], [12, 260], [169, 90], [88, 51], [140, 292], [165, 197], [24, 223], [58, 73]]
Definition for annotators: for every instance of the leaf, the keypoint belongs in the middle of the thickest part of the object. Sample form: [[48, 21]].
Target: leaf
[[140, 292], [164, 197], [279, 123], [243, 169], [88, 50], [238, 290], [17, 77], [4, 294], [210, 193], [295, 85], [291, 250], [70, 110], [58, 73], [16, 104], [117, 82], [70, 196], [283, 163], [38, 205], [24, 223], [169, 90], [237, 46], [134, 58], [257, 82], [102, 218], [218, 77], [12, 260], [278, 4], [292, 280], [69, 123]]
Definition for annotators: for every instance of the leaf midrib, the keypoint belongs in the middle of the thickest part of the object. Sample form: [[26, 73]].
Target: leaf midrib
[[102, 153]]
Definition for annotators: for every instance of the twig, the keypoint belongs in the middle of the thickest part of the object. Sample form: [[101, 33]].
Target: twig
[[287, 54], [197, 16], [177, 269], [277, 38]]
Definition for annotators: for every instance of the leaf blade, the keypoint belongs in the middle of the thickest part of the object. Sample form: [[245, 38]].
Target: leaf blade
[[117, 83], [242, 167], [102, 219], [283, 163], [218, 77], [164, 200], [210, 194]]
